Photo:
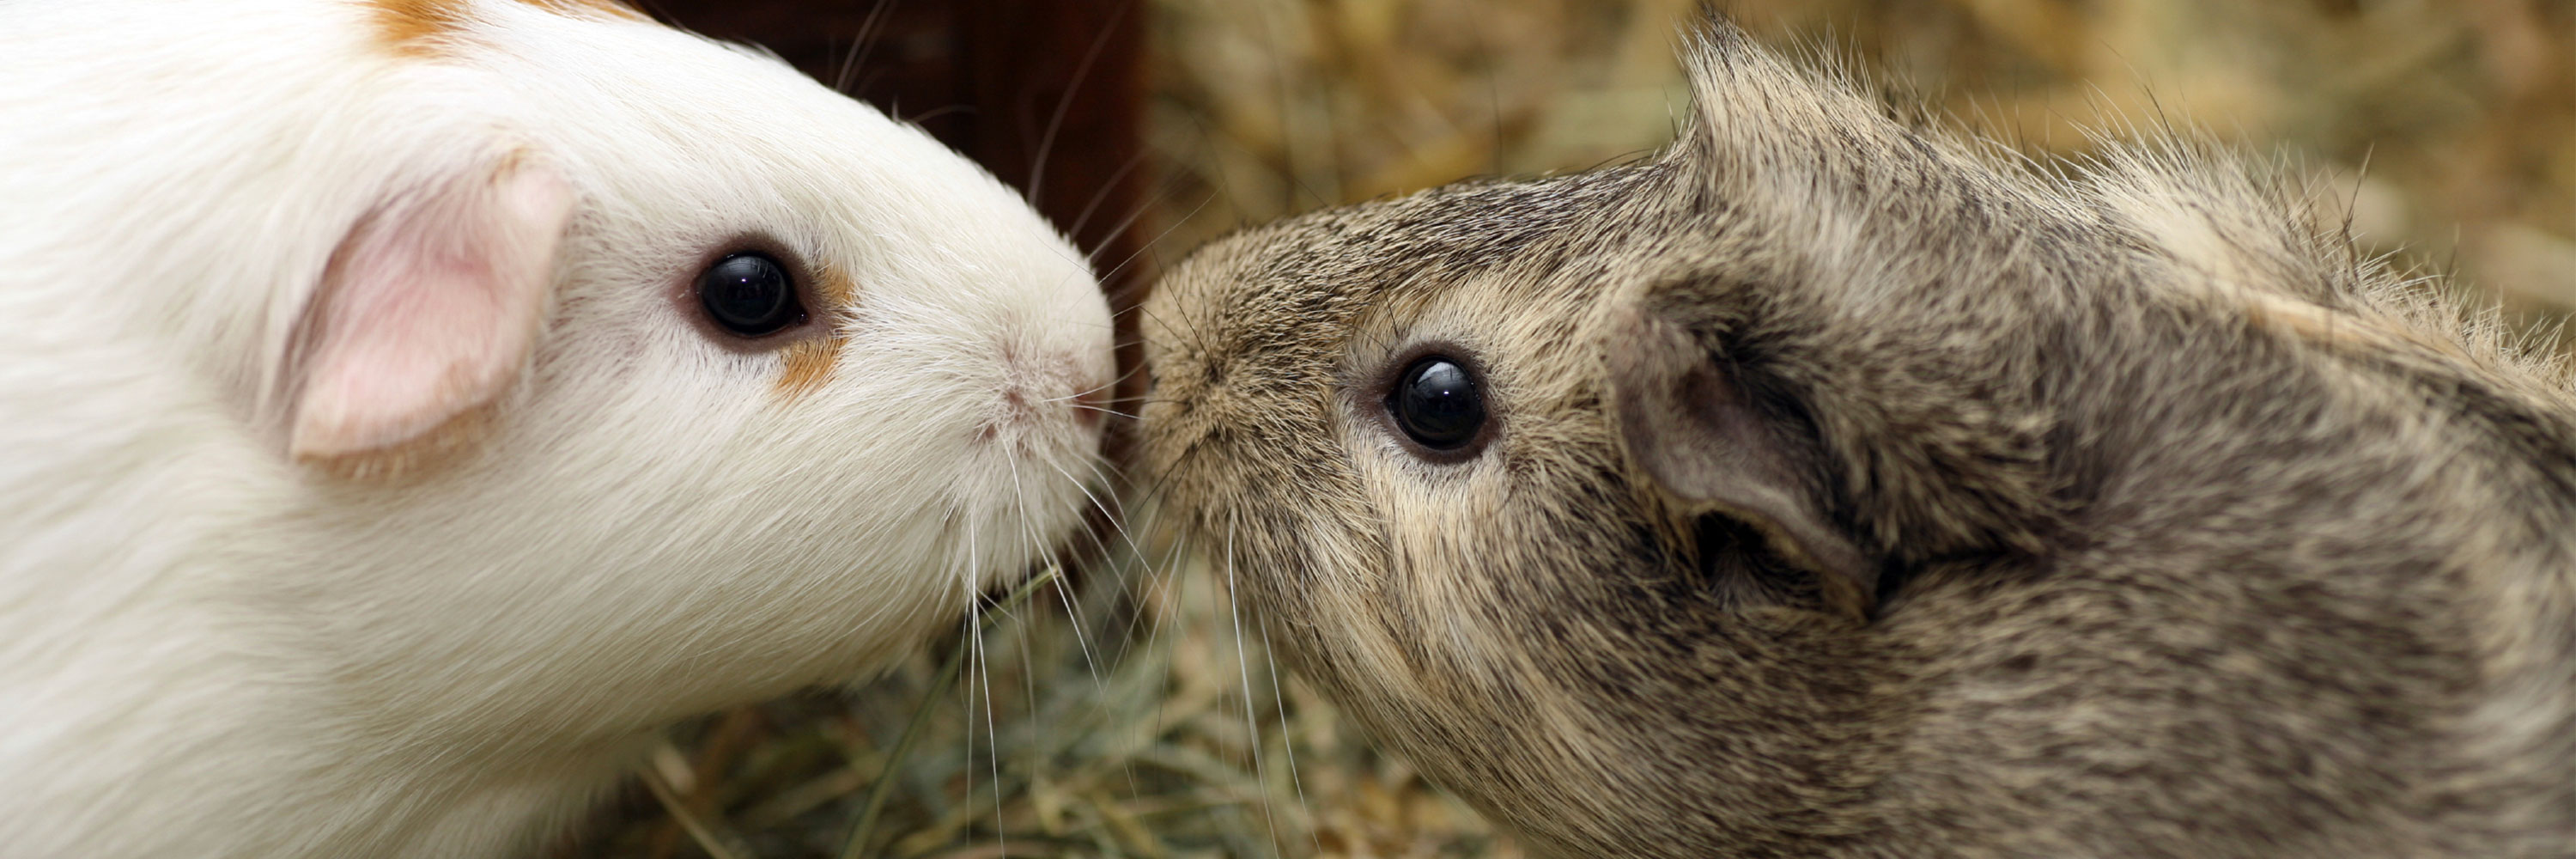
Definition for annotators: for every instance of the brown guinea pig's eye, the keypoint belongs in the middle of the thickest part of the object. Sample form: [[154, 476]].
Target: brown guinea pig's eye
[[749, 294], [1438, 403]]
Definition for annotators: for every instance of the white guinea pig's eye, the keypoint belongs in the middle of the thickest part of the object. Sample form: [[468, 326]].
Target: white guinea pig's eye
[[749, 294]]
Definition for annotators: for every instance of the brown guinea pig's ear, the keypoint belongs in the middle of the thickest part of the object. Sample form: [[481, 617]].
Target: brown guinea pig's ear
[[425, 314], [1690, 427]]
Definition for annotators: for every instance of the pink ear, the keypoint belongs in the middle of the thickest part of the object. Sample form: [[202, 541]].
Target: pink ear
[[428, 309]]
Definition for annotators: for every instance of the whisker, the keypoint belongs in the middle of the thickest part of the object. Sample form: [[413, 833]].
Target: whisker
[[1110, 517], [1071, 613], [992, 740], [1112, 383], [1105, 410], [1028, 671], [1166, 582], [937, 112], [1288, 738], [1198, 337], [860, 46], [1145, 209], [1102, 195], [1148, 247], [1243, 668], [972, 638], [1046, 142]]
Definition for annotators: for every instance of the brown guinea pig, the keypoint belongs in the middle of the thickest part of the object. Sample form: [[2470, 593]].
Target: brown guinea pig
[[1828, 486]]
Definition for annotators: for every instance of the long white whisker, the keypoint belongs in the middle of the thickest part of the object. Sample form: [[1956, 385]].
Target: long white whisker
[[1287, 738], [1165, 620], [1028, 662], [1072, 615], [1104, 410], [974, 624], [992, 739], [1112, 515], [984, 676], [1243, 668], [1171, 581]]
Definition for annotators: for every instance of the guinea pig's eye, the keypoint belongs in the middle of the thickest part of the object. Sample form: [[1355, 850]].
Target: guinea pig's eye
[[1438, 404], [749, 294]]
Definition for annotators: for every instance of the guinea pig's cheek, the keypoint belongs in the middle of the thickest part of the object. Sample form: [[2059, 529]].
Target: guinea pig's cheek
[[1413, 510], [804, 366], [1388, 462]]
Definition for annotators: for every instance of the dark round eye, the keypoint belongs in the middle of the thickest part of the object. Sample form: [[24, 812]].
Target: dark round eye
[[1437, 403], [749, 294]]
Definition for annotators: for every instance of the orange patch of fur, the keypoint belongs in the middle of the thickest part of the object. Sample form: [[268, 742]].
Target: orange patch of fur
[[609, 8], [807, 364], [835, 290], [415, 27]]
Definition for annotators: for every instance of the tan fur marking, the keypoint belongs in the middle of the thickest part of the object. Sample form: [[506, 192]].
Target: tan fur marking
[[806, 365], [415, 28], [2343, 333], [430, 452], [835, 290], [610, 8]]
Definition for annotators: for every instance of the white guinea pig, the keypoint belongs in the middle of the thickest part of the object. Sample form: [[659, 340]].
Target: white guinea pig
[[407, 407]]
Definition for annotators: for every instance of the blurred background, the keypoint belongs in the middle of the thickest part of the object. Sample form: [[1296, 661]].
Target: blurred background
[[1130, 709]]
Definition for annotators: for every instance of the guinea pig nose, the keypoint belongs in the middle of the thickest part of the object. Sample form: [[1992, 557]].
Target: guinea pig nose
[[1045, 387]]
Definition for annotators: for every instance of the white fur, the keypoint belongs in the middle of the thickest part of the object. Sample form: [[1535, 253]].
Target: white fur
[[209, 650]]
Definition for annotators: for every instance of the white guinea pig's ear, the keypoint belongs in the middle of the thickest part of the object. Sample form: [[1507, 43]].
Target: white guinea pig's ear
[[426, 312], [1693, 429]]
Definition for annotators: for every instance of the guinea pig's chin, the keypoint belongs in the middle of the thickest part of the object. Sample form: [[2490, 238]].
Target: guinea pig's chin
[[1033, 513]]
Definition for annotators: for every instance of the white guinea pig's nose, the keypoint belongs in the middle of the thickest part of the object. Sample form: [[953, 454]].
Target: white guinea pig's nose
[[1049, 390]]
